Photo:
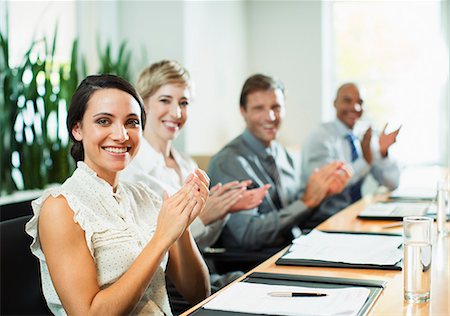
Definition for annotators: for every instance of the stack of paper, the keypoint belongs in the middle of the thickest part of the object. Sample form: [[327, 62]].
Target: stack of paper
[[347, 248], [414, 193], [400, 209], [245, 297]]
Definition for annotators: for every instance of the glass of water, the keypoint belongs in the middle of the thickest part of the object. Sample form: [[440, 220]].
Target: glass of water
[[443, 205], [417, 258]]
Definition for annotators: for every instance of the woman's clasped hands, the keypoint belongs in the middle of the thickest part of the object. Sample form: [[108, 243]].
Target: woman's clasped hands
[[179, 210]]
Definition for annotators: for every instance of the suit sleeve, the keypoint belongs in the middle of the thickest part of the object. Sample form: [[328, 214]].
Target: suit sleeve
[[261, 226]]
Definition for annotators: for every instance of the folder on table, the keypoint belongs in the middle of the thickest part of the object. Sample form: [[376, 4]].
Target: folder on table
[[345, 250], [397, 210], [243, 305], [404, 193]]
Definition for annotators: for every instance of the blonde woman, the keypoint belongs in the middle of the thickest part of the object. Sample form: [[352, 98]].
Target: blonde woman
[[165, 89]]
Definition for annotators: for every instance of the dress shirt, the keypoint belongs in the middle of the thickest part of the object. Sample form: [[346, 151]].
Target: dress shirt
[[117, 226], [244, 158], [150, 167], [330, 143]]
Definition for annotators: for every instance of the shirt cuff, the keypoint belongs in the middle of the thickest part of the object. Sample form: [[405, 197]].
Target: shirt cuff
[[197, 228], [360, 168]]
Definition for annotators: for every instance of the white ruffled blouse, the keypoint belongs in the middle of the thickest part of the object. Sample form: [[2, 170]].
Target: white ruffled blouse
[[117, 227]]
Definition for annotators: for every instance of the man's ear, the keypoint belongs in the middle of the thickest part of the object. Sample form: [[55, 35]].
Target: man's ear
[[243, 111], [76, 132]]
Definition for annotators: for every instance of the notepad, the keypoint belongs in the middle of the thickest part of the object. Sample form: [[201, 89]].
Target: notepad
[[254, 298], [397, 210], [414, 193], [347, 248]]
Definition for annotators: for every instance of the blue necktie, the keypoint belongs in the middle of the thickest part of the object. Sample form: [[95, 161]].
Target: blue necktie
[[352, 139], [355, 189]]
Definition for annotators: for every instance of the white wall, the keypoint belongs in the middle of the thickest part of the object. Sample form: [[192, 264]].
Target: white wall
[[221, 43], [285, 41], [97, 24], [215, 54], [155, 27]]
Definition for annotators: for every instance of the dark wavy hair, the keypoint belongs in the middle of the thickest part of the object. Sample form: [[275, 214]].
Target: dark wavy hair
[[83, 94]]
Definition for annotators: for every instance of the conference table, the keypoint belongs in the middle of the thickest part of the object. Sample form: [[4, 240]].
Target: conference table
[[391, 301]]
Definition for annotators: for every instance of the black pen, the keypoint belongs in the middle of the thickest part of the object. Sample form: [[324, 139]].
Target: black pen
[[295, 294]]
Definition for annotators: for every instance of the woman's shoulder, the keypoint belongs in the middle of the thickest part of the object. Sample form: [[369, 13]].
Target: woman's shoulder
[[184, 159]]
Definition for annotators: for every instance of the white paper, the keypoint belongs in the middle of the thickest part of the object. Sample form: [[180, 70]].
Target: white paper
[[396, 209], [347, 248], [253, 298], [414, 193]]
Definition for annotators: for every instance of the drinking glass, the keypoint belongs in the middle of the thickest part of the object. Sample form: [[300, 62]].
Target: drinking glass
[[443, 205], [417, 258]]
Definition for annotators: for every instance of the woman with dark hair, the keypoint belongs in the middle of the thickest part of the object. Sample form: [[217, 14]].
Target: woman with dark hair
[[103, 246]]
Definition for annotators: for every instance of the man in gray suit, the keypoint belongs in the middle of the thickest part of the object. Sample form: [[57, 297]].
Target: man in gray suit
[[256, 155]]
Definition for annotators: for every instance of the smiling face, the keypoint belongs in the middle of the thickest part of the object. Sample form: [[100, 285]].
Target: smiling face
[[263, 113], [110, 132], [348, 104], [166, 113]]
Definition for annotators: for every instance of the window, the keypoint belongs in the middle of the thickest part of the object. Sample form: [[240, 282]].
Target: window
[[34, 20], [396, 51]]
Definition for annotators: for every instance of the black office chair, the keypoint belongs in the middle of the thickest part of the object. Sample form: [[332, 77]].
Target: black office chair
[[21, 292]]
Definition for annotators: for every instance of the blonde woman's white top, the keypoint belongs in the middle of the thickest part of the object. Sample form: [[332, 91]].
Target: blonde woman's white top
[[149, 166], [117, 227]]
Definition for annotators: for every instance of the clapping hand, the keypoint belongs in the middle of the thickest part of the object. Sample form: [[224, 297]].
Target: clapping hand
[[330, 178], [179, 210], [340, 177], [250, 199], [221, 198], [365, 146], [386, 140]]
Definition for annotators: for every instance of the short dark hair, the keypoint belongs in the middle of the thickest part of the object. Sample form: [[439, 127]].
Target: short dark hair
[[258, 82], [83, 94]]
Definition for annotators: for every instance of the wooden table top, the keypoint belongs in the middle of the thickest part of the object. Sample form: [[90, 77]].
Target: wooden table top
[[391, 301]]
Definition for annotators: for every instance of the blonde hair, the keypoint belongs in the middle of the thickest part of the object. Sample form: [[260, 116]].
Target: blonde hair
[[159, 74]]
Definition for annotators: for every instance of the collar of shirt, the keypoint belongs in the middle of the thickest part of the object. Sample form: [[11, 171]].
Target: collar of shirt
[[275, 149], [101, 182], [151, 161], [342, 129], [148, 158], [258, 148]]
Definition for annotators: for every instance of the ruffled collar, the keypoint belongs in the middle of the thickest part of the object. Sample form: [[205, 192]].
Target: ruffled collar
[[84, 168]]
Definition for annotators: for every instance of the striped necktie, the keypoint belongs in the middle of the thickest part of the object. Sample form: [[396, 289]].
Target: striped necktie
[[272, 170]]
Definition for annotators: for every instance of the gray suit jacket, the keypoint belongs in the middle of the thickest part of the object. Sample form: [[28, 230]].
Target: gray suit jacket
[[267, 225]]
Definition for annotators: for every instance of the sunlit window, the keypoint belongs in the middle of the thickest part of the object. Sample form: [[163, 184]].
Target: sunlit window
[[396, 51], [34, 20]]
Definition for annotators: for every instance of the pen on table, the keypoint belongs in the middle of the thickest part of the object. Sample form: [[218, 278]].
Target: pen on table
[[295, 294]]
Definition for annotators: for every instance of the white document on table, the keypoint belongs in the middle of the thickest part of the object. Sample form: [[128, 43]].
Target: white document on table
[[254, 298], [347, 248], [414, 193], [400, 209]]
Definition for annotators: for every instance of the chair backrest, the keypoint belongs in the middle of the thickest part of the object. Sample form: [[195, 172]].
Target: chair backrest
[[202, 161], [21, 292]]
